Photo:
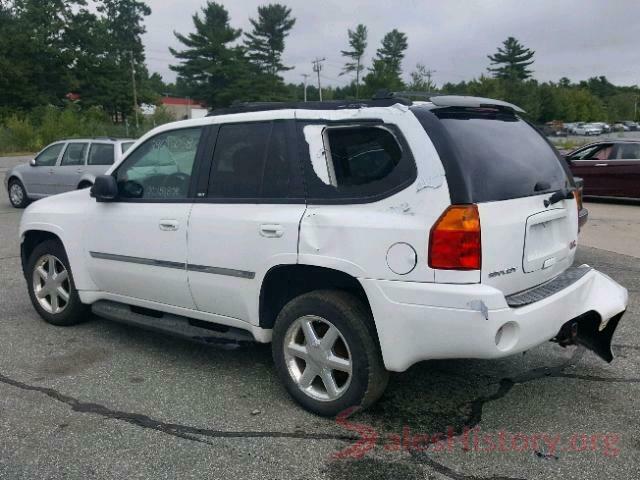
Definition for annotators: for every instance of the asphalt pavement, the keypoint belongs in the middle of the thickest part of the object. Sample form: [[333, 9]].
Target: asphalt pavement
[[108, 401]]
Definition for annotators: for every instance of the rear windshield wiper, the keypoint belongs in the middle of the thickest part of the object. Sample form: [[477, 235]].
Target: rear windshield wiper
[[562, 194]]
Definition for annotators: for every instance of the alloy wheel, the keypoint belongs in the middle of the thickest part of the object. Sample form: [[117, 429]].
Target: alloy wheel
[[318, 358], [51, 285], [16, 194]]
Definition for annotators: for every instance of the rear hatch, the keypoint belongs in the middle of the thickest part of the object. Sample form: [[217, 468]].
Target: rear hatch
[[495, 159]]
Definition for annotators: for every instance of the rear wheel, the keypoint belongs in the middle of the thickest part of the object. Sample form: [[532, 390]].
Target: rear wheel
[[326, 353], [17, 194], [84, 185], [51, 286]]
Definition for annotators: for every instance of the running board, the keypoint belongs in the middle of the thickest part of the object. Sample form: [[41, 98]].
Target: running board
[[184, 327]]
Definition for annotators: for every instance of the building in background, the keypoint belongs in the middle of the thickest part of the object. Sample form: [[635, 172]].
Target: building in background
[[183, 108]]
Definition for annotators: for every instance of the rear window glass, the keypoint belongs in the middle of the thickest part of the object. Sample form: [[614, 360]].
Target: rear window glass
[[499, 156]]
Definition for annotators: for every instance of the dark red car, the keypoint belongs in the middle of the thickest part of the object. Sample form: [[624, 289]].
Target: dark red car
[[608, 168]]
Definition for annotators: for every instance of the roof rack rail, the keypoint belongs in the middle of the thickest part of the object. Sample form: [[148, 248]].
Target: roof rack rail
[[244, 107], [405, 95]]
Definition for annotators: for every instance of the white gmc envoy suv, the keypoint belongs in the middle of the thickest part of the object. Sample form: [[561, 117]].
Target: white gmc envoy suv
[[359, 238]]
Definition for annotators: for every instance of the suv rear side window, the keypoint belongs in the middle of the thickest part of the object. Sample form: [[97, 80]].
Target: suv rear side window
[[354, 163], [361, 155], [101, 154], [250, 161], [493, 154]]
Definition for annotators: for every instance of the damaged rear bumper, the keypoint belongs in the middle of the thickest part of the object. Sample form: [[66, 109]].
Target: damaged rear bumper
[[421, 321]]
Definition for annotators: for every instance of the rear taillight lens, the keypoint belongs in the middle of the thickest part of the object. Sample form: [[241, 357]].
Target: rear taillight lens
[[578, 195], [454, 242]]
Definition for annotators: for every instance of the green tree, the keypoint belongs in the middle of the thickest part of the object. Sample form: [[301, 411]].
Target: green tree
[[511, 61], [358, 44], [107, 47], [34, 59], [386, 69], [211, 68], [265, 42]]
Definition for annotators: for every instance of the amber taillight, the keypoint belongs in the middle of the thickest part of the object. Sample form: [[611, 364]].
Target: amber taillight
[[454, 242]]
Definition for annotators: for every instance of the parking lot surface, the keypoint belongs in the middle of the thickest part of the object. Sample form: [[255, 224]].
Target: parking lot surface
[[103, 400]]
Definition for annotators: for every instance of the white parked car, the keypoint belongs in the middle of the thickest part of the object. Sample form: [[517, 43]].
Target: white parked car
[[357, 238], [587, 129]]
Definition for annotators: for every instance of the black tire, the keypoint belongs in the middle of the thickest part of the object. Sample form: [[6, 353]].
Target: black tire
[[17, 184], [348, 314], [74, 311], [84, 185]]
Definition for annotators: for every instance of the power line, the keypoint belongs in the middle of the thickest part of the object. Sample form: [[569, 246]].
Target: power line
[[317, 67]]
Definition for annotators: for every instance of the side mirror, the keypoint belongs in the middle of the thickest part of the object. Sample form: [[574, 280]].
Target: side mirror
[[105, 189], [33, 163]]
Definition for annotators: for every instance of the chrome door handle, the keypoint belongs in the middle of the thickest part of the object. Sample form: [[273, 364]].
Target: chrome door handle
[[169, 225], [271, 230], [601, 164], [80, 170]]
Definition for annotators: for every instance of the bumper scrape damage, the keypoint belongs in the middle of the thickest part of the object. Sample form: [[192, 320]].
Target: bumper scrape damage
[[590, 331], [422, 321]]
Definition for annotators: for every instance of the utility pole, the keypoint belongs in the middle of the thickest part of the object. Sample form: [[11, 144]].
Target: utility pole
[[135, 91], [305, 75], [317, 66]]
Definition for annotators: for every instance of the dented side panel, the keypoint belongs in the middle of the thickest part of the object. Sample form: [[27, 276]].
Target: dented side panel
[[355, 238]]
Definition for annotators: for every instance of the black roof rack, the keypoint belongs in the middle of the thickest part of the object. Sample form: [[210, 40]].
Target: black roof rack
[[404, 95], [244, 107]]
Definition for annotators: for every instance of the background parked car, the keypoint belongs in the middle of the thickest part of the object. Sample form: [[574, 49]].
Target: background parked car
[[587, 129], [604, 127], [620, 127], [609, 168], [63, 166]]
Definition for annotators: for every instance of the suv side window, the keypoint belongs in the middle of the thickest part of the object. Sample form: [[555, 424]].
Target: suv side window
[[161, 167], [250, 161], [101, 154], [354, 163], [49, 155], [360, 155], [74, 154]]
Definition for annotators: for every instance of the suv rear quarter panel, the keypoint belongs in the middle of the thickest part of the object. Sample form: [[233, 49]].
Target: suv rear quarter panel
[[356, 238]]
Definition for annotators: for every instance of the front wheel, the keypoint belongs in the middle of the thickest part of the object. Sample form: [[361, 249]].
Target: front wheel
[[17, 194], [51, 287], [326, 353]]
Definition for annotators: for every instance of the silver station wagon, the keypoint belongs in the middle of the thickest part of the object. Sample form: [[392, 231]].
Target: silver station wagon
[[63, 166]]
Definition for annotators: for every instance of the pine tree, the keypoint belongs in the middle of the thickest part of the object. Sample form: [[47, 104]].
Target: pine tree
[[511, 60], [358, 44], [265, 42], [211, 68], [386, 70]]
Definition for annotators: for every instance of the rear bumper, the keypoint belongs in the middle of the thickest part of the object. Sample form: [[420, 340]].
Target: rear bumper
[[422, 321]]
